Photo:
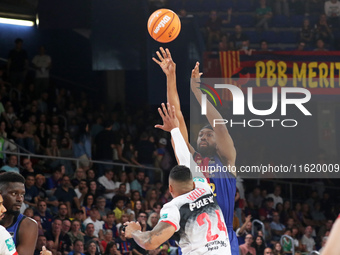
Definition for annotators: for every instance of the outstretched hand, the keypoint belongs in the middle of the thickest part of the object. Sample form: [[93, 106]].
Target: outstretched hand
[[165, 61], [131, 227], [169, 118], [195, 76]]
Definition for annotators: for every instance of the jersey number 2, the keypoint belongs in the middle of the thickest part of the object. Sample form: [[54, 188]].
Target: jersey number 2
[[220, 225]]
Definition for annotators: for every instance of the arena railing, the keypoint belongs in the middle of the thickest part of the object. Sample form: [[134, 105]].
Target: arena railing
[[291, 240], [78, 160], [262, 228]]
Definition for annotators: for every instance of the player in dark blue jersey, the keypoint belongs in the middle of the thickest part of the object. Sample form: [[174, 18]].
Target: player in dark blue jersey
[[215, 145], [24, 230]]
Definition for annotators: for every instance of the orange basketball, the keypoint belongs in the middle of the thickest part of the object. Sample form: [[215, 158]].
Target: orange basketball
[[164, 25]]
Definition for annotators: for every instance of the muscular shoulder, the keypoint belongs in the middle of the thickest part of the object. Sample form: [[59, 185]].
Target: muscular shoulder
[[28, 223]]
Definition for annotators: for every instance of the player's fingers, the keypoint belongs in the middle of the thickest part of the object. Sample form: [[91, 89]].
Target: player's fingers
[[200, 74], [44, 248], [163, 52], [159, 126], [158, 62], [161, 113], [168, 53], [159, 56], [165, 110]]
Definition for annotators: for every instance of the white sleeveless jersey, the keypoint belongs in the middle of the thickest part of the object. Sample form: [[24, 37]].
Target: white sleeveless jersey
[[7, 246], [198, 220]]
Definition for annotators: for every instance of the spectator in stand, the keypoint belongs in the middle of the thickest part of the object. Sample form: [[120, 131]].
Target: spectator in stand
[[110, 223], [278, 249], [96, 189], [31, 191], [266, 212], [92, 248], [301, 46], [145, 153], [123, 245], [44, 214], [323, 31], [41, 138], [104, 144], [119, 209], [53, 182], [17, 65], [123, 179], [268, 251], [62, 212], [79, 175], [278, 228], [259, 245], [306, 216], [166, 197], [28, 169], [98, 225], [110, 186], [325, 228], [41, 241], [246, 248], [108, 236], [312, 199], [332, 10], [65, 193], [307, 239], [111, 249], [224, 44], [286, 212], [11, 166], [263, 15], [78, 248], [82, 146], [138, 208], [121, 195], [136, 185], [142, 217], [75, 232], [42, 64], [244, 230], [317, 215], [101, 205], [125, 218], [276, 196], [264, 46], [281, 7], [153, 220], [295, 235], [320, 45], [306, 32], [255, 197], [87, 205], [150, 200], [22, 137], [213, 27], [237, 38], [60, 241]]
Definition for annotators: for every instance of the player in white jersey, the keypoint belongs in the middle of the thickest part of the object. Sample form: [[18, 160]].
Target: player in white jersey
[[193, 216], [7, 246]]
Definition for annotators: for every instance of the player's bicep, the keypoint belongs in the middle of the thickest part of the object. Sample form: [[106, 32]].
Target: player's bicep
[[28, 235]]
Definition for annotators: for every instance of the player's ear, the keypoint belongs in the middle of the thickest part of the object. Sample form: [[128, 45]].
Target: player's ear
[[171, 189], [193, 185]]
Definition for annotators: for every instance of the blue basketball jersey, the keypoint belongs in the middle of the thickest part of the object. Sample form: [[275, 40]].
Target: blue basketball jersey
[[13, 229], [223, 184]]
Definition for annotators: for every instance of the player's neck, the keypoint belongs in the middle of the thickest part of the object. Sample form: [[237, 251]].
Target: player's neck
[[7, 220]]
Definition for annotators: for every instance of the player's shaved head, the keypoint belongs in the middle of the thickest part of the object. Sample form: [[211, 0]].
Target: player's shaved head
[[180, 181]]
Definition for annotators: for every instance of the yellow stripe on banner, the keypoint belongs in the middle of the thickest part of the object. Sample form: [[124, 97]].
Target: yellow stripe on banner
[[234, 62], [225, 64], [229, 64]]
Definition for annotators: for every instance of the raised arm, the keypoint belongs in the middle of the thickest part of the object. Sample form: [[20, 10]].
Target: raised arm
[[149, 240], [225, 144], [169, 68]]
